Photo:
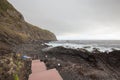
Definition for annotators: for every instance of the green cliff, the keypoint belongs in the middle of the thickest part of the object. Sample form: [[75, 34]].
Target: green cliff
[[14, 29]]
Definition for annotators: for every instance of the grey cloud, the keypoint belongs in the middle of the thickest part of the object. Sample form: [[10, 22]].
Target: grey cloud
[[78, 17]]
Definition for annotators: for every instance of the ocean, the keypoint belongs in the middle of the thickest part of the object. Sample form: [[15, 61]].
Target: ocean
[[101, 45]]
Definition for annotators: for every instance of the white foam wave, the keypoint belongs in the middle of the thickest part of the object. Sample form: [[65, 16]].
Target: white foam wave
[[88, 47]]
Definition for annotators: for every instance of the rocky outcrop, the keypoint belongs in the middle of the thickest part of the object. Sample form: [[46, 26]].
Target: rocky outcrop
[[79, 64]]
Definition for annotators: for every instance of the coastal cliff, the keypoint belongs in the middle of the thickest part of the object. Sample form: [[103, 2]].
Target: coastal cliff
[[14, 30]]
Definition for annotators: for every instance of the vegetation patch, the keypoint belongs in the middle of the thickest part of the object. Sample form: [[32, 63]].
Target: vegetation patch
[[4, 5], [16, 77]]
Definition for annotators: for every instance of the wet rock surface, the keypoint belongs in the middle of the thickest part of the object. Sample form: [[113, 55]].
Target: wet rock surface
[[79, 64]]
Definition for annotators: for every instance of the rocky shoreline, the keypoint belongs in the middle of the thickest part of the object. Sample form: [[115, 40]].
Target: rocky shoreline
[[79, 64], [72, 64]]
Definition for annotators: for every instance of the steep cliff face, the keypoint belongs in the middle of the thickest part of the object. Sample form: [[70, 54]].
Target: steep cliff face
[[14, 29]]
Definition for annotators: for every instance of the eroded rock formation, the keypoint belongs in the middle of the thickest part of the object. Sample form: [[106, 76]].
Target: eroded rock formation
[[79, 64]]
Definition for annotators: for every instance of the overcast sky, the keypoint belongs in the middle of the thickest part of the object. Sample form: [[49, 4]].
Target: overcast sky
[[74, 19]]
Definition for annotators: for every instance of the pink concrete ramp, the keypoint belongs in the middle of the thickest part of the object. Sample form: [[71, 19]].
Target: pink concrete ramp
[[39, 72], [34, 61], [38, 67], [51, 74]]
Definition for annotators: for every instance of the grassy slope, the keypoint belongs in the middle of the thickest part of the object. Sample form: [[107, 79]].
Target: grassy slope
[[13, 28]]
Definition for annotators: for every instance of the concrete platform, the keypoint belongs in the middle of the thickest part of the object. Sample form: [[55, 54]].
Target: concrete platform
[[34, 61], [40, 72], [51, 74], [38, 67]]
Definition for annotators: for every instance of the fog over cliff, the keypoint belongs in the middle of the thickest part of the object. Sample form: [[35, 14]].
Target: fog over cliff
[[74, 19]]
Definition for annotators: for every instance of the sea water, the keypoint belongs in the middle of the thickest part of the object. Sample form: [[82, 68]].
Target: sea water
[[101, 45]]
